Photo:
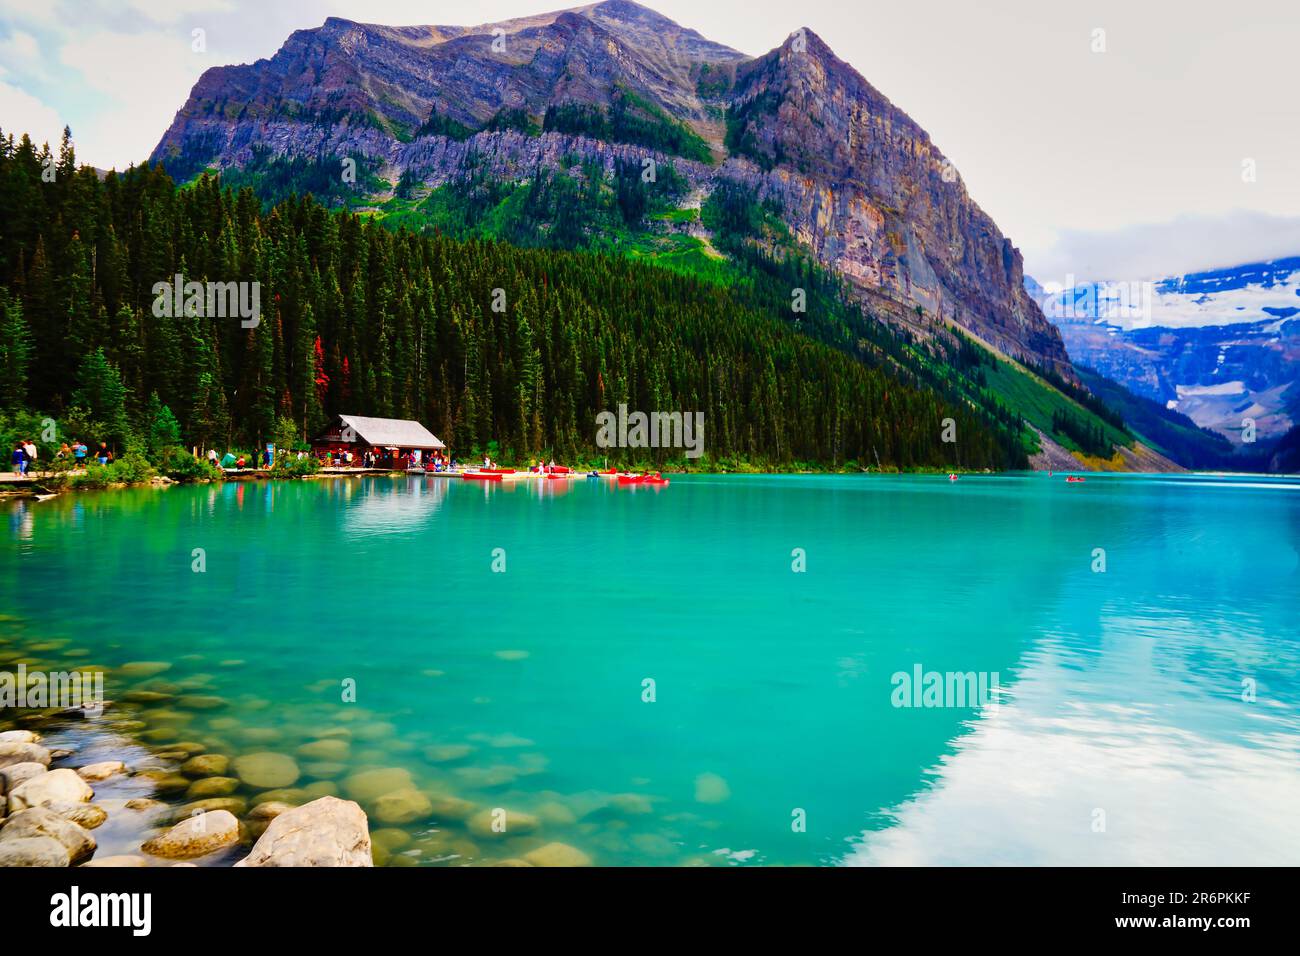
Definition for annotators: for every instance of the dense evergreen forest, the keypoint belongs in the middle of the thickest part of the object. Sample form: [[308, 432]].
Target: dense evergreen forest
[[482, 341]]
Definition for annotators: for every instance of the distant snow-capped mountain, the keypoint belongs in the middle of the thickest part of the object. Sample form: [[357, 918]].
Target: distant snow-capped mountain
[[1221, 346]]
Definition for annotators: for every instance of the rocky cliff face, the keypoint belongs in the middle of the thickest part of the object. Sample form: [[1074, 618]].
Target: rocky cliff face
[[858, 182]]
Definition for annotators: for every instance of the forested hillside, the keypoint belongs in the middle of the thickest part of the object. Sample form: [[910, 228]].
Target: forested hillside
[[361, 318]]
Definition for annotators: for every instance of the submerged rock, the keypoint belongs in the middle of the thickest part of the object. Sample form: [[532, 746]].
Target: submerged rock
[[512, 823], [236, 805], [206, 765], [401, 806], [710, 788], [102, 770], [202, 702], [557, 854], [325, 832], [143, 668], [330, 749], [447, 807], [212, 787], [37, 822], [447, 753], [195, 836], [269, 810], [88, 815], [266, 770], [371, 784]]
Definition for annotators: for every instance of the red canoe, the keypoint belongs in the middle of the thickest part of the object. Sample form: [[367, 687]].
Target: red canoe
[[642, 480], [481, 476], [1075, 478]]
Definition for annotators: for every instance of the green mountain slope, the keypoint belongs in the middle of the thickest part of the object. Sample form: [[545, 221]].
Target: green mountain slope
[[485, 341]]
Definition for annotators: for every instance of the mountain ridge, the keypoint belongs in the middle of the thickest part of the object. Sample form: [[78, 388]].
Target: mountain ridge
[[859, 183]]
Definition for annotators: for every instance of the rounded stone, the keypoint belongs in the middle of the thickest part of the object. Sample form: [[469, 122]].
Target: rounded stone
[[371, 784], [401, 806], [512, 823], [102, 770], [325, 832], [212, 787], [195, 836], [12, 776], [266, 770], [202, 702], [557, 854], [236, 805], [56, 786], [88, 815], [122, 860], [33, 851], [269, 810], [23, 752], [37, 822], [332, 748], [143, 668], [206, 765], [447, 807]]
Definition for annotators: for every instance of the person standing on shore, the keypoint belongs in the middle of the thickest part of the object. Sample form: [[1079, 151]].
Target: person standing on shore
[[29, 447], [19, 459], [79, 451]]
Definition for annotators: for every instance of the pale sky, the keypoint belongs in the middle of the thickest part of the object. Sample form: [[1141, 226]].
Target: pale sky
[[1175, 149]]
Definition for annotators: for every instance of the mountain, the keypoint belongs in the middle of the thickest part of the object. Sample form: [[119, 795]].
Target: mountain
[[1218, 346], [448, 124]]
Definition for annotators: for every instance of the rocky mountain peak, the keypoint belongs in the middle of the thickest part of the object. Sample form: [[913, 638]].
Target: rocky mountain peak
[[858, 182]]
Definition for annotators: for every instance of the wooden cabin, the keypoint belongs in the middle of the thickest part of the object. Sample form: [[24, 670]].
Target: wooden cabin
[[389, 440]]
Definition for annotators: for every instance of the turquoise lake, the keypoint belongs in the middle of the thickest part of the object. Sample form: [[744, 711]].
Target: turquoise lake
[[1147, 713]]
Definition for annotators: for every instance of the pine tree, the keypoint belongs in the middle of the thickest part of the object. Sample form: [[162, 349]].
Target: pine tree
[[15, 354]]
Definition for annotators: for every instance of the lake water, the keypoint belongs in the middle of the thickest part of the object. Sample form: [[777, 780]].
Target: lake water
[[1147, 713]]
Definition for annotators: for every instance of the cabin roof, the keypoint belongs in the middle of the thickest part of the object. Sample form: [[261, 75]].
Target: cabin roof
[[395, 432]]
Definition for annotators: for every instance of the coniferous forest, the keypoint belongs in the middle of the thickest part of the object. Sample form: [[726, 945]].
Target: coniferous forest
[[482, 341]]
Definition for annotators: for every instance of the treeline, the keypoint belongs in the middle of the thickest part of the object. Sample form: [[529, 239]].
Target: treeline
[[482, 341], [1091, 438], [629, 119]]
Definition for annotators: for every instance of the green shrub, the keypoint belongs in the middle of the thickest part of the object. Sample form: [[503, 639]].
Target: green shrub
[[287, 466], [179, 464]]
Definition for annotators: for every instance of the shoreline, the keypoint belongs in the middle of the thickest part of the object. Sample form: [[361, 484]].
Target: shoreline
[[142, 783]]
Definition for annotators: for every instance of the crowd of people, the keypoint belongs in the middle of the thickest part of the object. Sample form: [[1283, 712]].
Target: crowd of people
[[381, 458], [25, 455]]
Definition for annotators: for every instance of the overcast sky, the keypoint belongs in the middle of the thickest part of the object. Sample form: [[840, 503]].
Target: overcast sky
[[1177, 148]]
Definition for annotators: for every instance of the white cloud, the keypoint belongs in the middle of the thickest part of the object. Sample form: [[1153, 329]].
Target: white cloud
[[172, 11], [19, 45], [1152, 251], [23, 113], [145, 76]]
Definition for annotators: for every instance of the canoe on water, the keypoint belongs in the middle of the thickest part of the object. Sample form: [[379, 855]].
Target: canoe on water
[[642, 480], [482, 476]]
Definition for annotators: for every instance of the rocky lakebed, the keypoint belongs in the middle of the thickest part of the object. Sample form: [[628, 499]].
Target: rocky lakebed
[[169, 773]]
